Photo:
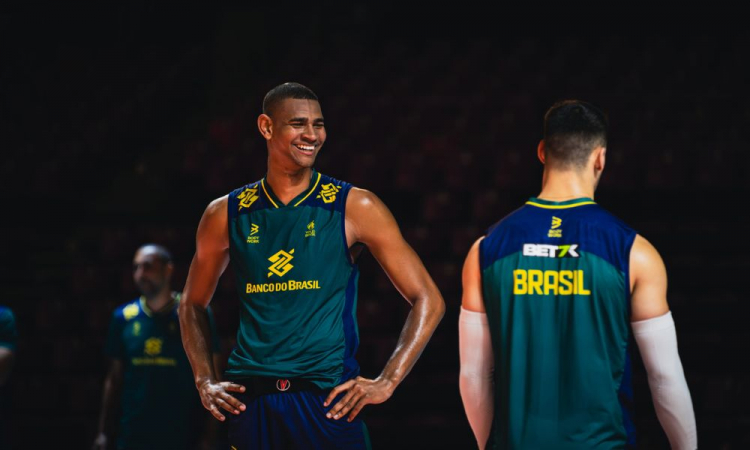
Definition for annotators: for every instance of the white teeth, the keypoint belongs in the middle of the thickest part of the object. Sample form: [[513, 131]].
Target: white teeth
[[308, 148]]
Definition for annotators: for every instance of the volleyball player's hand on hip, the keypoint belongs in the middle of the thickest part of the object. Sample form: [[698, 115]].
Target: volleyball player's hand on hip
[[215, 397], [359, 392]]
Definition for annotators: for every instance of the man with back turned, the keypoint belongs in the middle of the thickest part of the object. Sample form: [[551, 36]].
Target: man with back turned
[[551, 294]]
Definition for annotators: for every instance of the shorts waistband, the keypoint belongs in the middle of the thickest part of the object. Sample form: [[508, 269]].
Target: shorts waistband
[[272, 385]]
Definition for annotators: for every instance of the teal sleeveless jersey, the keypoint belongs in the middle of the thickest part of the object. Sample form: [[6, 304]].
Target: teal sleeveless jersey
[[156, 372], [296, 282], [555, 279]]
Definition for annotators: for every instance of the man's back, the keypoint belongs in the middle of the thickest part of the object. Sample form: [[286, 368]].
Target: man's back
[[555, 282]]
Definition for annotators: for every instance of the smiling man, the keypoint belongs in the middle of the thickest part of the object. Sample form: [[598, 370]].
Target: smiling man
[[291, 237]]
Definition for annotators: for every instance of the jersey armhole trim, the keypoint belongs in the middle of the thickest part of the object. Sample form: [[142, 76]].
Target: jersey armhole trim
[[347, 253]]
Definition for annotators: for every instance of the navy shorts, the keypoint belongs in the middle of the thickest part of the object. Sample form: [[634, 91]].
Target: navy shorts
[[293, 420]]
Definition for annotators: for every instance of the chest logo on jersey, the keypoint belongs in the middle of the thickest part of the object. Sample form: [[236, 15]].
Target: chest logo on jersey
[[136, 328], [551, 251], [253, 237], [328, 192], [310, 230], [280, 263], [247, 198], [152, 346], [554, 230]]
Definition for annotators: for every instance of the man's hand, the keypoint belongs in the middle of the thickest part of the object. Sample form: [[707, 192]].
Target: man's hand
[[359, 392], [215, 394], [100, 443]]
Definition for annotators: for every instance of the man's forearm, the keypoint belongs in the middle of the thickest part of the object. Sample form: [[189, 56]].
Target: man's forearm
[[475, 378], [657, 342], [6, 364], [196, 338], [110, 399], [421, 322]]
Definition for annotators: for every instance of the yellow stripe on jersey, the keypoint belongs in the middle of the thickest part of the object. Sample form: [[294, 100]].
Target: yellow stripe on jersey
[[263, 185], [560, 206], [311, 191]]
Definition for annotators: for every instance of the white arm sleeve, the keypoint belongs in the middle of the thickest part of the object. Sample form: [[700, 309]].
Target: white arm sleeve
[[657, 342], [475, 381]]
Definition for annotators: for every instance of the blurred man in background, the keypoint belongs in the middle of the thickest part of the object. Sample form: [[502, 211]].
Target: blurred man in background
[[551, 294], [149, 375], [8, 341]]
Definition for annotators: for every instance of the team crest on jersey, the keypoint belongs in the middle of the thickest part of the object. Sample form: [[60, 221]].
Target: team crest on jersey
[[153, 346], [310, 229], [253, 237], [328, 192], [554, 230], [281, 263], [247, 198], [136, 328]]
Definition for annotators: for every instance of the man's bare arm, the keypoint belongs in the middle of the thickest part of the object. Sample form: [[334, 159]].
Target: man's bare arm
[[210, 260], [369, 221], [110, 401], [6, 364], [654, 331]]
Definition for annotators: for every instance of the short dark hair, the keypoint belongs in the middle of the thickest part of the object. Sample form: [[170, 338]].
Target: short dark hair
[[164, 255], [572, 130], [284, 91]]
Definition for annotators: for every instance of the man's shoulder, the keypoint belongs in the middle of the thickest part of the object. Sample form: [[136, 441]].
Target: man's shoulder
[[6, 314], [256, 185], [128, 311]]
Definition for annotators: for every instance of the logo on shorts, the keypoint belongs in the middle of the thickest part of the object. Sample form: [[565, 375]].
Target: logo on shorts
[[247, 197], [554, 231], [328, 192], [283, 385], [280, 262]]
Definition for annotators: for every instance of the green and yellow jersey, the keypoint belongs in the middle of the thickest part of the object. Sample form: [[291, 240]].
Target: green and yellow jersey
[[160, 407], [296, 282], [555, 279]]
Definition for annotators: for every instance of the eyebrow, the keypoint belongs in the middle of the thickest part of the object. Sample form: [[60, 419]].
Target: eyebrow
[[304, 119]]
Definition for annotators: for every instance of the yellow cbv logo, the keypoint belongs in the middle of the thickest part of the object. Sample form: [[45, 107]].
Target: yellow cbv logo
[[281, 265]]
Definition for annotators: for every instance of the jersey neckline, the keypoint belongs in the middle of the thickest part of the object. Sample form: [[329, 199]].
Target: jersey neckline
[[296, 201], [548, 204], [165, 311]]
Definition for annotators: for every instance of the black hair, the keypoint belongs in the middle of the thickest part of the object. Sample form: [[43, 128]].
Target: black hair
[[284, 91], [572, 130], [164, 255]]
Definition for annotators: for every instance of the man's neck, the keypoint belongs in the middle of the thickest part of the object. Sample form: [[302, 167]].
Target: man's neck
[[161, 301], [288, 184], [561, 185]]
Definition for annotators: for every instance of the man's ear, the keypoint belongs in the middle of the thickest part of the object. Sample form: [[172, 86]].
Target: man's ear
[[265, 126], [540, 151], [600, 158]]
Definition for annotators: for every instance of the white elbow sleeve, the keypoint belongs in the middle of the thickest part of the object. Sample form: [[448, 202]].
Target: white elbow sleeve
[[657, 342], [477, 364]]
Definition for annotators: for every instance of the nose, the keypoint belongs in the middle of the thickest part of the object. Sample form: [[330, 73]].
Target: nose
[[310, 134]]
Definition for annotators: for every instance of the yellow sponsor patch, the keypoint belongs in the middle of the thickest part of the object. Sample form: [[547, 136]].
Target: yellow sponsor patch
[[328, 192], [247, 198]]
